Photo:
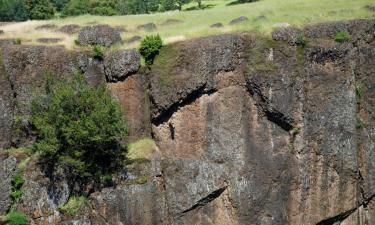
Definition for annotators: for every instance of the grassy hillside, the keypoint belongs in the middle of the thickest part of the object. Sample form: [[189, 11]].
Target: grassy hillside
[[263, 16]]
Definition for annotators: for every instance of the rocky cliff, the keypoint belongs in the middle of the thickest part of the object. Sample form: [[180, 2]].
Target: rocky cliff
[[248, 130]]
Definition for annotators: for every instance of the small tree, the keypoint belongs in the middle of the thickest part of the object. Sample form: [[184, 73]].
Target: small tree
[[150, 48], [40, 9], [13, 10], [79, 127]]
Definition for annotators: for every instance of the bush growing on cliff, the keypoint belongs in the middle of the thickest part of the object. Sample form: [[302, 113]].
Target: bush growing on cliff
[[150, 48], [342, 36], [79, 127], [16, 218]]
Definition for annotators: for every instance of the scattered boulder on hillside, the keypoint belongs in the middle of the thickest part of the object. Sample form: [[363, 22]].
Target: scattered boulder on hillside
[[99, 35], [172, 22], [121, 63], [240, 19], [4, 42], [288, 34], [261, 17], [147, 27], [370, 8], [49, 40], [120, 29], [217, 25], [46, 27], [69, 29], [134, 39]]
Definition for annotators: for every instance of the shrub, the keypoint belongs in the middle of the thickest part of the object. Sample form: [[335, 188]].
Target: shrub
[[13, 10], [17, 41], [76, 7], [98, 51], [79, 127], [342, 36], [359, 91], [16, 218], [17, 182], [40, 9], [73, 205], [150, 48], [301, 40]]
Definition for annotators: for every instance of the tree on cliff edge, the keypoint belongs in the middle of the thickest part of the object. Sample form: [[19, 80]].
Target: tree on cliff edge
[[79, 127]]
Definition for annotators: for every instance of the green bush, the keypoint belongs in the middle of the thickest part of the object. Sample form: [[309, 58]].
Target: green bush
[[17, 182], [150, 48], [98, 51], [76, 7], [16, 218], [13, 10], [73, 205], [79, 127], [342, 36], [359, 90], [40, 9], [17, 41]]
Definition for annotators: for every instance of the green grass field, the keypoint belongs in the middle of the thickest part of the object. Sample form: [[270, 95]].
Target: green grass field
[[263, 16]]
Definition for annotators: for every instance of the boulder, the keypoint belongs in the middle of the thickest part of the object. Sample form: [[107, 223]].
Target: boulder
[[99, 35], [217, 25], [147, 27], [288, 34], [49, 40], [119, 64], [240, 19], [134, 39], [69, 29], [46, 27], [172, 22]]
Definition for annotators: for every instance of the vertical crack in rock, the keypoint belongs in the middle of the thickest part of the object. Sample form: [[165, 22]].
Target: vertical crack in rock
[[342, 216], [271, 113], [204, 201], [166, 114]]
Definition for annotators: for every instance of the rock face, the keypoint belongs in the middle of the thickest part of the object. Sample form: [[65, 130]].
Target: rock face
[[121, 63], [249, 130], [7, 169], [99, 35]]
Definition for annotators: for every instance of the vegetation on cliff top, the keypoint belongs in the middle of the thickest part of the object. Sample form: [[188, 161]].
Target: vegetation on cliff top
[[174, 26]]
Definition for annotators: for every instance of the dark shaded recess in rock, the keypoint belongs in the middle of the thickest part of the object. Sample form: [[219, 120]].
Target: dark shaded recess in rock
[[342, 216], [190, 98], [204, 201], [272, 114]]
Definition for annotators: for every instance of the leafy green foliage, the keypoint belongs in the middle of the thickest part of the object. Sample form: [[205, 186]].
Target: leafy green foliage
[[59, 4], [359, 91], [98, 51], [342, 36], [150, 48], [17, 182], [16, 218], [17, 41], [73, 205], [40, 9], [79, 127], [76, 7], [13, 10]]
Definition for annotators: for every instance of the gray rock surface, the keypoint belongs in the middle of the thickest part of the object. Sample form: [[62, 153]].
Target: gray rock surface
[[248, 130], [238, 20], [121, 63], [147, 27], [99, 35], [7, 169]]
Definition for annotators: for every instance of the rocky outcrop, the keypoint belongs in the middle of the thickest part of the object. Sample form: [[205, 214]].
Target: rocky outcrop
[[7, 169], [99, 35], [249, 130], [121, 63]]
